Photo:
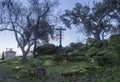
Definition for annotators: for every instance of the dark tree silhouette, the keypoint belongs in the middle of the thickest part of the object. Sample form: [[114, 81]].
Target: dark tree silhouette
[[28, 23], [3, 56], [94, 21]]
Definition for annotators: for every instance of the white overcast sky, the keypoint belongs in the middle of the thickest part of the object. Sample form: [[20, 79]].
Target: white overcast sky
[[7, 40]]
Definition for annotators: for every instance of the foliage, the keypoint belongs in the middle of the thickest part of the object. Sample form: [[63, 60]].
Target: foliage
[[69, 49], [74, 52], [48, 63], [28, 23], [114, 47], [103, 56], [2, 56], [98, 64], [114, 40], [66, 72], [94, 43], [94, 21], [47, 49], [74, 46]]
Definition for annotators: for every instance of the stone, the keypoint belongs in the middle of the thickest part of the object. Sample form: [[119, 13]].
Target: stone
[[40, 72]]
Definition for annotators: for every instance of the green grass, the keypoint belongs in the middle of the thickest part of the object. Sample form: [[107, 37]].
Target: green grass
[[82, 71]]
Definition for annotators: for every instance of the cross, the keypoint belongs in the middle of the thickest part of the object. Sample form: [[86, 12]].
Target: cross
[[60, 29]]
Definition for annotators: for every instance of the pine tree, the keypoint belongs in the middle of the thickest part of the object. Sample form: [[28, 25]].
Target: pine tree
[[3, 56]]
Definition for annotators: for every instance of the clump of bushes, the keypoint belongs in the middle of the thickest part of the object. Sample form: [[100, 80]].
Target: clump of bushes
[[91, 42], [46, 49], [24, 73], [107, 55], [74, 46], [113, 48], [114, 44], [74, 53], [48, 63]]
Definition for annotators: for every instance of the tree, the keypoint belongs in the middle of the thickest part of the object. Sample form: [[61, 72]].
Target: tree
[[112, 10], [115, 15], [42, 26], [27, 23], [3, 57], [93, 21]]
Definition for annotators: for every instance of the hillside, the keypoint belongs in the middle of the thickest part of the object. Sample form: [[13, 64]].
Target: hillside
[[91, 63]]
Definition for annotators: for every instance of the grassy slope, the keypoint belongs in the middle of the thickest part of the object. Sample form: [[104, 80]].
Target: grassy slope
[[13, 71], [66, 70]]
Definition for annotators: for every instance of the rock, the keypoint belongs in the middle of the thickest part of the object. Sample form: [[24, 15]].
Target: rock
[[40, 72]]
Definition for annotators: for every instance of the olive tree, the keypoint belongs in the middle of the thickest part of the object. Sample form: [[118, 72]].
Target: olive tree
[[28, 23], [93, 21]]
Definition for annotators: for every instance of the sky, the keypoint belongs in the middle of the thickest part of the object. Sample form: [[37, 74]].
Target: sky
[[7, 40]]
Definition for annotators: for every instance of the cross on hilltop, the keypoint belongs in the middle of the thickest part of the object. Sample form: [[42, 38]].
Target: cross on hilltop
[[60, 30]]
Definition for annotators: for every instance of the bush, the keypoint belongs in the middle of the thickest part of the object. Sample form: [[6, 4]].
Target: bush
[[25, 73], [113, 49], [114, 44], [46, 49], [91, 42], [77, 59], [102, 57], [92, 52], [74, 46], [58, 57], [69, 49], [48, 63], [74, 53]]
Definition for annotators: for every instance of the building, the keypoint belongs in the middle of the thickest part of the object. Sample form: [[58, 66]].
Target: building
[[9, 54]]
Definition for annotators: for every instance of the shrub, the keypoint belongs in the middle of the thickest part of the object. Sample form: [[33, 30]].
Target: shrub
[[112, 51], [74, 52], [25, 73], [114, 44], [92, 52], [91, 42], [73, 46], [102, 57], [57, 57], [48, 63], [114, 39], [76, 45], [69, 49], [46, 49]]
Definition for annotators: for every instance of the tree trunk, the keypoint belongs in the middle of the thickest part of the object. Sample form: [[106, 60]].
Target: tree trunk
[[34, 49], [97, 36], [3, 56], [104, 44], [103, 40], [24, 58]]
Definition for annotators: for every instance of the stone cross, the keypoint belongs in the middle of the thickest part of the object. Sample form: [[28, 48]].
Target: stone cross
[[60, 30]]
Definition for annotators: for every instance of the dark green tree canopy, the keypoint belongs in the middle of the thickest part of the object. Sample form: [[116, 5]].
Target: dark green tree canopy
[[93, 21]]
